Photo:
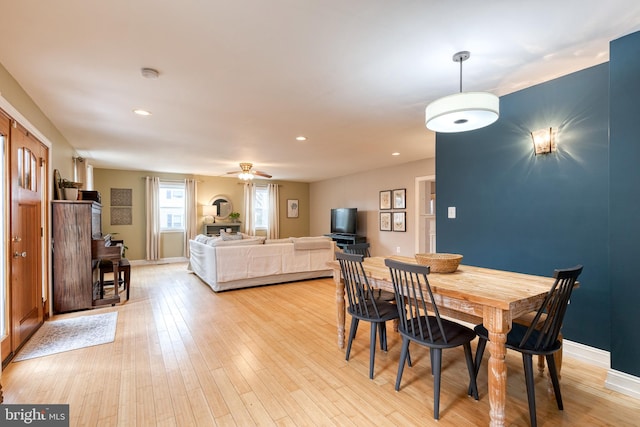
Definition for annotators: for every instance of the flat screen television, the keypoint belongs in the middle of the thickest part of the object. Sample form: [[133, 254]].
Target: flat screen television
[[344, 220]]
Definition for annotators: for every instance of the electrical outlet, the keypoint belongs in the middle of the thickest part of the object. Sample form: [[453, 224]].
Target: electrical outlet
[[398, 249]]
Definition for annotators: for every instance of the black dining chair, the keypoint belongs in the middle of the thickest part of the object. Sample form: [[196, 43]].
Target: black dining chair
[[362, 305], [358, 248], [415, 301], [540, 337], [363, 249]]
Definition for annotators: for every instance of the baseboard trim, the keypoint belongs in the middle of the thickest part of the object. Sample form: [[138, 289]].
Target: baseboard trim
[[623, 383], [591, 355], [620, 382]]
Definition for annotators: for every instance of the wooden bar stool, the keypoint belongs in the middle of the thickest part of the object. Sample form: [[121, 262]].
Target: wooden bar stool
[[124, 274]]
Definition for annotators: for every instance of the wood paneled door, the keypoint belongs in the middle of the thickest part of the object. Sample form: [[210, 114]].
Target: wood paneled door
[[28, 171]]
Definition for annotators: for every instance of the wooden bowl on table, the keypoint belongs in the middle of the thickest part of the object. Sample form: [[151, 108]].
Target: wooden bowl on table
[[440, 262]]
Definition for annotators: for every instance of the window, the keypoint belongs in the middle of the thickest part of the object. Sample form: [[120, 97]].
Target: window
[[27, 166], [171, 201], [261, 207]]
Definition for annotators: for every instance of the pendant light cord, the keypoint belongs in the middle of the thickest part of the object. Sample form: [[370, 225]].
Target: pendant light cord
[[461, 76], [461, 57]]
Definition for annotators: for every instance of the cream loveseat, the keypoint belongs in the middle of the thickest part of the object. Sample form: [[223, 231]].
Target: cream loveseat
[[226, 264]]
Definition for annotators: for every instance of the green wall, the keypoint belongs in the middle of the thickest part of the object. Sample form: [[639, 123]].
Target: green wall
[[531, 214], [624, 197], [208, 187]]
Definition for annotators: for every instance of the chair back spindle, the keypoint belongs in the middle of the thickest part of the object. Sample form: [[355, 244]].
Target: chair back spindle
[[363, 249], [413, 291], [547, 327], [360, 295], [358, 248]]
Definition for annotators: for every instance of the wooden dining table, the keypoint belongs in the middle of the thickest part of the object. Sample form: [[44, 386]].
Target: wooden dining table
[[471, 294]]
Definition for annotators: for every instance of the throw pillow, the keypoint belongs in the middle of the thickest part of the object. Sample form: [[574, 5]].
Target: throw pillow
[[275, 241], [227, 236], [202, 238]]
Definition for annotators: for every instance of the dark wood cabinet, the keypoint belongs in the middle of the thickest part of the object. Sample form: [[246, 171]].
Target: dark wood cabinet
[[75, 225], [346, 239]]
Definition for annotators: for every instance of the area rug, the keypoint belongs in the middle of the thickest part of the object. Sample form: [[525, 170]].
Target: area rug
[[70, 334]]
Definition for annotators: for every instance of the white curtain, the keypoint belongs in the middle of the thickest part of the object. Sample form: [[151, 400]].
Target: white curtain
[[273, 229], [83, 172], [248, 226], [152, 186], [190, 212]]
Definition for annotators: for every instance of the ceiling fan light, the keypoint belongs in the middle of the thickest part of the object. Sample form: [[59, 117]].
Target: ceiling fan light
[[462, 112]]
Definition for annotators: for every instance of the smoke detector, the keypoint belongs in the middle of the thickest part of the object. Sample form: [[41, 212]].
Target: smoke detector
[[150, 73]]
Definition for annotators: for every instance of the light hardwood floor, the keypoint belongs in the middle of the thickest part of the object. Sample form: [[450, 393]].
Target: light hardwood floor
[[184, 355]]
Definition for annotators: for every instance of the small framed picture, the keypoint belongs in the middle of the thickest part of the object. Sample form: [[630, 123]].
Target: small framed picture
[[385, 199], [292, 208], [400, 198], [399, 221], [385, 221]]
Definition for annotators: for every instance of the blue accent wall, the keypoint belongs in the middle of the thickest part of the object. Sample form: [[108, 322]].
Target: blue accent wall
[[580, 205], [625, 203], [532, 214]]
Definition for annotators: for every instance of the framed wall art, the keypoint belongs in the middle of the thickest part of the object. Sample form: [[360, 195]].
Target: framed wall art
[[121, 206], [385, 221], [121, 197], [399, 221], [292, 208], [121, 215], [400, 198], [385, 199]]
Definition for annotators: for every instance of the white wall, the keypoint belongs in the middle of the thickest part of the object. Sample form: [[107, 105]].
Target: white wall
[[361, 190]]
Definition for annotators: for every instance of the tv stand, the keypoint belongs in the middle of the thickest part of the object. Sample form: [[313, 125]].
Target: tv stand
[[346, 239]]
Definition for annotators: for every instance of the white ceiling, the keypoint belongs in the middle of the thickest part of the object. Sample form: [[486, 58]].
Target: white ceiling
[[239, 80]]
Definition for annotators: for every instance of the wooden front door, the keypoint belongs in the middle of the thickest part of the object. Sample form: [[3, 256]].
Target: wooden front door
[[5, 346], [27, 166]]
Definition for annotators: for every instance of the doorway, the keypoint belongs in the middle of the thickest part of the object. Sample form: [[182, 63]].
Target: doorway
[[425, 205], [24, 217]]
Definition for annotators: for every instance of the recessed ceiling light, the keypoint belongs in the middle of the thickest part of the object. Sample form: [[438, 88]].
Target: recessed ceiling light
[[301, 138], [141, 112], [395, 154]]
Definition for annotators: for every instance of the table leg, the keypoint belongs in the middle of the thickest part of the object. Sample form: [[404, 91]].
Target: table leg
[[127, 279], [339, 306], [541, 365], [498, 323], [116, 276], [558, 358]]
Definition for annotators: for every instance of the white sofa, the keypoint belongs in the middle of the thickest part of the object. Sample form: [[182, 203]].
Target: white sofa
[[252, 261]]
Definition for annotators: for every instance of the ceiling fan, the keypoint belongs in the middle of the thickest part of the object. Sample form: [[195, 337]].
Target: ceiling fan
[[246, 173]]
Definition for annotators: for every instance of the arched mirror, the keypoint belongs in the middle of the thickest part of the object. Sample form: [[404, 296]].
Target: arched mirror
[[223, 206]]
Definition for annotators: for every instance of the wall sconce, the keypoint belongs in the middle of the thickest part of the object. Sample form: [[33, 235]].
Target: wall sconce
[[210, 213], [544, 141]]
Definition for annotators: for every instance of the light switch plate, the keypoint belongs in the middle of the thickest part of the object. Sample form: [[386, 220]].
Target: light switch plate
[[452, 212]]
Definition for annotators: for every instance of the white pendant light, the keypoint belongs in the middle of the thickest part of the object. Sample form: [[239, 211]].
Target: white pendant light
[[462, 111]]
